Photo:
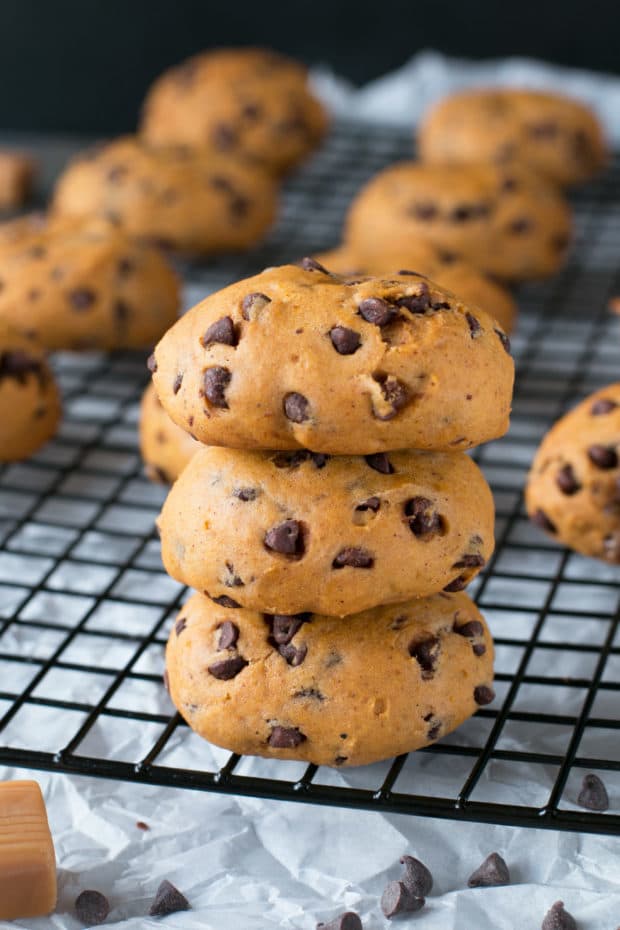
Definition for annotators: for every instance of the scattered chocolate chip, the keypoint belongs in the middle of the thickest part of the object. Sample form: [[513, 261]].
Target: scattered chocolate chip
[[226, 669], [493, 871], [601, 406], [239, 206], [503, 338], [593, 795], [320, 459], [426, 654], [180, 625], [296, 407], [474, 326], [399, 899], [82, 298], [286, 538], [151, 363], [246, 494], [509, 185], [471, 629], [352, 557], [340, 760], [422, 519], [224, 601], [168, 900], [141, 825], [380, 462], [394, 392], [19, 365], [434, 731], [229, 634], [371, 503], [345, 341], [291, 459], [417, 876], [347, 921], [471, 560], [251, 111], [424, 210], [483, 695], [253, 303], [465, 212], [566, 480], [216, 380], [286, 737], [540, 519], [294, 655], [222, 331], [178, 381], [603, 456], [376, 310], [520, 226], [311, 693], [457, 584], [92, 908], [224, 137], [311, 264], [285, 626], [558, 919], [417, 303], [125, 267]]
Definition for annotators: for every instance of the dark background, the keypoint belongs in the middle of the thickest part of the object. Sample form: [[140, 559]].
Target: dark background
[[84, 65]]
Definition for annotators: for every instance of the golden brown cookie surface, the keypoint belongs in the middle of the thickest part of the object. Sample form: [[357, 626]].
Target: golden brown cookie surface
[[295, 531], [505, 221], [165, 447], [573, 490], [191, 202], [331, 692], [296, 358], [238, 101], [554, 135]]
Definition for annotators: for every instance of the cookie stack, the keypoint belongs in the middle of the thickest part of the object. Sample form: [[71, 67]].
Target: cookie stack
[[332, 521]]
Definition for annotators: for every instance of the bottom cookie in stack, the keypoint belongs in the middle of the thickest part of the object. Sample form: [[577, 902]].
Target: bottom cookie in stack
[[329, 691]]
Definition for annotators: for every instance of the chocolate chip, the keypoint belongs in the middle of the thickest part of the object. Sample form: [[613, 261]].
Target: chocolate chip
[[394, 392], [246, 494], [19, 365], [229, 634], [566, 480], [422, 519], [493, 871], [224, 137], [345, 341], [232, 579], [222, 331], [544, 130], [465, 212], [417, 876], [376, 310], [92, 908], [253, 304], [178, 381], [251, 111], [239, 206], [471, 560], [294, 655], [125, 267], [520, 226], [417, 303], [371, 503], [352, 557], [425, 210], [285, 737], [471, 629], [558, 919], [474, 326], [603, 456], [151, 363], [457, 584], [82, 298], [296, 407], [285, 626], [320, 459], [347, 921], [426, 654], [340, 760], [223, 601], [601, 406], [180, 625], [434, 731], [399, 899], [483, 695], [216, 380], [380, 462], [168, 900], [541, 520], [593, 795], [311, 264], [286, 538], [226, 669], [509, 185], [503, 338]]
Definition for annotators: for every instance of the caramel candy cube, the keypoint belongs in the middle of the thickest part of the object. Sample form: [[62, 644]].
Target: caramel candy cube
[[16, 175], [27, 860]]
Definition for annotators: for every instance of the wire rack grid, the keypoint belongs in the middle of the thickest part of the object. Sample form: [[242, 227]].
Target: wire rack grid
[[85, 607]]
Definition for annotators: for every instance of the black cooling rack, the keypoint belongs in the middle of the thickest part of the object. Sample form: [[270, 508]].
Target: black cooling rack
[[85, 606]]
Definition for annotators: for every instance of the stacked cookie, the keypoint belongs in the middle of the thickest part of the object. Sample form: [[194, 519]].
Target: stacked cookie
[[332, 520]]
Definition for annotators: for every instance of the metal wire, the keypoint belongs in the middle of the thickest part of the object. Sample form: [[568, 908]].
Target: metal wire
[[85, 606]]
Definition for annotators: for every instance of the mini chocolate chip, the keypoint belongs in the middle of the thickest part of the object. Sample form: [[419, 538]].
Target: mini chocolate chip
[[395, 393], [168, 900], [226, 669], [509, 185], [151, 363], [286, 538], [285, 737], [603, 456], [417, 303], [471, 629], [544, 130], [92, 908], [251, 111], [253, 303], [483, 695], [224, 137], [541, 520], [340, 760], [371, 503], [291, 459], [474, 326], [216, 380], [345, 341], [239, 206], [347, 921], [125, 267], [320, 459], [376, 310], [246, 494], [232, 579], [180, 625], [294, 655], [311, 264], [424, 210], [434, 731], [471, 560], [503, 338], [520, 225], [178, 381], [285, 626], [399, 899], [229, 634], [82, 298], [558, 919], [601, 406], [593, 795], [222, 331], [296, 407], [462, 213], [19, 365], [417, 876], [224, 601], [380, 462], [422, 519], [457, 584], [310, 693], [426, 654], [566, 480], [493, 871], [352, 557]]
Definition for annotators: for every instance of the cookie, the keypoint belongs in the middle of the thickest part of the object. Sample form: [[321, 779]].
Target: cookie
[[16, 177], [295, 531], [385, 682], [166, 448], [506, 221], [300, 358], [460, 277], [554, 135], [194, 203], [573, 489], [67, 284], [29, 398], [248, 101]]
